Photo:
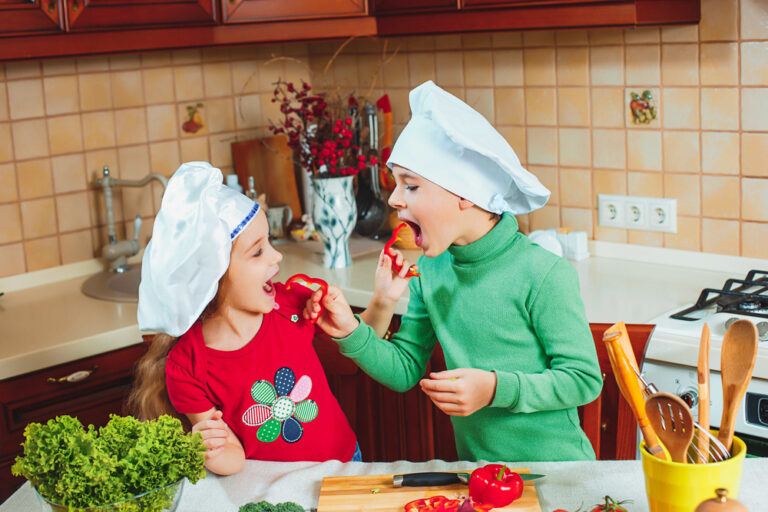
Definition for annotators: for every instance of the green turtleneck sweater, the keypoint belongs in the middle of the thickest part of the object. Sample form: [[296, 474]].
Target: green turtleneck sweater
[[506, 305]]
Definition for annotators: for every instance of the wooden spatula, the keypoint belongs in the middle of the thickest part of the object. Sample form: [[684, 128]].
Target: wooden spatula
[[702, 442], [737, 360], [672, 421]]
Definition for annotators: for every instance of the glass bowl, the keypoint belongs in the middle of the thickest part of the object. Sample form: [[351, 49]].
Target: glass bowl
[[164, 499]]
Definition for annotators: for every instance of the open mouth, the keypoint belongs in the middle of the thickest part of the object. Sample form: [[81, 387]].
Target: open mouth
[[418, 235], [269, 287]]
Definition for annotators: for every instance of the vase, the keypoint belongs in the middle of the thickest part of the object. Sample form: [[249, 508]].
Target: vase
[[334, 213]]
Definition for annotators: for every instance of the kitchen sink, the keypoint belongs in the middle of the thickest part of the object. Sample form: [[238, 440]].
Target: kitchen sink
[[114, 286]]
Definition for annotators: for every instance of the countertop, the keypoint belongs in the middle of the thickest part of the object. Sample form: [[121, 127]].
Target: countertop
[[52, 322], [567, 485]]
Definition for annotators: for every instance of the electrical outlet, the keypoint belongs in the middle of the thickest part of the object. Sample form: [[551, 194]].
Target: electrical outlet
[[662, 215], [635, 213], [610, 210]]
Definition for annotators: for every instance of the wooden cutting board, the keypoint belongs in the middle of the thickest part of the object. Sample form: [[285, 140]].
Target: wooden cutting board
[[353, 494], [270, 161]]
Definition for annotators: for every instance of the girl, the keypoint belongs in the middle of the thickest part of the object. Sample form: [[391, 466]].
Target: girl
[[236, 355], [508, 314]]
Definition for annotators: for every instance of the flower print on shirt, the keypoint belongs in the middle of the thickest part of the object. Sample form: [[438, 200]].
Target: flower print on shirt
[[281, 409]]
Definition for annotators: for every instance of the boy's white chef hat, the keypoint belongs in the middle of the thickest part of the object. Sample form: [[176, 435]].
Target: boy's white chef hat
[[451, 144], [198, 220]]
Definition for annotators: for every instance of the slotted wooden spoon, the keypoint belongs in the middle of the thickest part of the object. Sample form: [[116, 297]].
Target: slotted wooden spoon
[[672, 421], [737, 360]]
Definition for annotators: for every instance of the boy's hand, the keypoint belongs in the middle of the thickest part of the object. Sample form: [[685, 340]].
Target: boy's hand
[[214, 434], [461, 391], [389, 285], [335, 317]]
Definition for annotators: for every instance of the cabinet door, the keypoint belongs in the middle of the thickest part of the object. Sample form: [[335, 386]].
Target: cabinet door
[[276, 10], [21, 17], [106, 14], [381, 7]]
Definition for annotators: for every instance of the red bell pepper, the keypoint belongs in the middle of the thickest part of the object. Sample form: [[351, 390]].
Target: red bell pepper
[[495, 484], [388, 252], [307, 281]]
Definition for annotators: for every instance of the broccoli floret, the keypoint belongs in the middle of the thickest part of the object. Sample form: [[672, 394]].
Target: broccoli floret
[[262, 506], [289, 506]]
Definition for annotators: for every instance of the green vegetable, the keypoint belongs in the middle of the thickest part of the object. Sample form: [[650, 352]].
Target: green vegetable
[[80, 468], [289, 506], [265, 506]]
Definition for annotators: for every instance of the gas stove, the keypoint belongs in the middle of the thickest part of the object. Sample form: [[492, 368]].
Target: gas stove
[[671, 354]]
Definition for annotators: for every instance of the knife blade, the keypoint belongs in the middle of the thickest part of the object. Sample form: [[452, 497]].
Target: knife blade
[[428, 479]]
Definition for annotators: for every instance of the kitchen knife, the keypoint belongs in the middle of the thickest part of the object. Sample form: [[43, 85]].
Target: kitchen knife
[[428, 479]]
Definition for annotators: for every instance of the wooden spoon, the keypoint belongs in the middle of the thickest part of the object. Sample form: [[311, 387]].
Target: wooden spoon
[[672, 421], [703, 371], [737, 360]]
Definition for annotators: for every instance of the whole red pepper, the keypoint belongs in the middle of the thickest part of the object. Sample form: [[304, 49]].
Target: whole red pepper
[[308, 282], [495, 484], [393, 256]]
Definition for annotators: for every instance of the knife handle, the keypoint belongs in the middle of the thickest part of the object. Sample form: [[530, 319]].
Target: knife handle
[[427, 479]]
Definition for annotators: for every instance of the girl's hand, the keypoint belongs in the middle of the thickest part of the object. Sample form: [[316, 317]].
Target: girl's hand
[[335, 317], [389, 285], [460, 392], [214, 434]]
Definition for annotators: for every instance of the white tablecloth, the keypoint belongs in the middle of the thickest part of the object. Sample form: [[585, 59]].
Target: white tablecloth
[[567, 484]]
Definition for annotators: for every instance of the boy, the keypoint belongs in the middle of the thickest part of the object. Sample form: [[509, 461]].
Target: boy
[[508, 314]]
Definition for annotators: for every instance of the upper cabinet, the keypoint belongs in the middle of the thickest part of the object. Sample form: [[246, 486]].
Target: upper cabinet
[[108, 14], [383, 7], [279, 10], [22, 17]]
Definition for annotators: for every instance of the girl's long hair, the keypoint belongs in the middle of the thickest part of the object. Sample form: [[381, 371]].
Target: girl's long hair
[[149, 396]]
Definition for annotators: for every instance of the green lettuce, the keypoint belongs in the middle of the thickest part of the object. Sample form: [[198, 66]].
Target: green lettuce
[[80, 467]]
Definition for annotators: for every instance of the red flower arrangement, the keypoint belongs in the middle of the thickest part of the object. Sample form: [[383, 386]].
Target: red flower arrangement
[[321, 136]]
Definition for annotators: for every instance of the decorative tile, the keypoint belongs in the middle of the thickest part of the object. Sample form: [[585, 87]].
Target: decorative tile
[[478, 68], [76, 246], [542, 146], [686, 189], [38, 218], [61, 95], [539, 66], [68, 173], [719, 108], [573, 66], [193, 119], [162, 122], [720, 152], [719, 196], [720, 236], [25, 98], [507, 67], [10, 223], [753, 58], [719, 64], [73, 212], [575, 148], [681, 107], [421, 67], [681, 151], [642, 108], [65, 134], [753, 203], [509, 103], [753, 237], [754, 19], [158, 85], [34, 178], [607, 106], [643, 65], [30, 139], [610, 149], [541, 106], [680, 64], [95, 91], [12, 257], [688, 236], [719, 20], [8, 183], [573, 106], [754, 109], [42, 253], [644, 150], [575, 188]]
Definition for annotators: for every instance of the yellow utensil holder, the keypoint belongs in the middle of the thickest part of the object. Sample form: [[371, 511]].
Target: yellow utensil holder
[[676, 487]]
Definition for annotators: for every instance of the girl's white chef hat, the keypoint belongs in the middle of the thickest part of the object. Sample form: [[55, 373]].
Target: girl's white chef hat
[[198, 220], [451, 144]]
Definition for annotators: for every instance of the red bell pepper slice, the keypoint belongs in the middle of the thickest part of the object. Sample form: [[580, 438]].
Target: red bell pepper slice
[[496, 485], [307, 281], [388, 251], [433, 504]]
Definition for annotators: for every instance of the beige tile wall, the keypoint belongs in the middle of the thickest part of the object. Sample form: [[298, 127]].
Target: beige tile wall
[[559, 97]]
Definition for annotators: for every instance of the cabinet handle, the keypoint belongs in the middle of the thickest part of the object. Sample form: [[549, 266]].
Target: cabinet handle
[[73, 377]]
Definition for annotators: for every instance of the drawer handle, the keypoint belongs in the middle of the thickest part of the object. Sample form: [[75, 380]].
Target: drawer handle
[[73, 377]]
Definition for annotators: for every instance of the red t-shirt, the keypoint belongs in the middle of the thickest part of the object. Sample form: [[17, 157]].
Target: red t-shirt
[[273, 392]]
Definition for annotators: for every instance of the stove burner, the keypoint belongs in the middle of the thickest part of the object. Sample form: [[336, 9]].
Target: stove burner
[[748, 296]]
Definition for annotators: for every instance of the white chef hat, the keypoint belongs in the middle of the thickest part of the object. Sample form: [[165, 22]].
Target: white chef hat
[[451, 144], [198, 220]]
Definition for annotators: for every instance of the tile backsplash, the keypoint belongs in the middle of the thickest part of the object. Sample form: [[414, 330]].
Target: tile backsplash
[[561, 98]]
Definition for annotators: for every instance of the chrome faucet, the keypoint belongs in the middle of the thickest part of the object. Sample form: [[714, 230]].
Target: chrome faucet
[[118, 252]]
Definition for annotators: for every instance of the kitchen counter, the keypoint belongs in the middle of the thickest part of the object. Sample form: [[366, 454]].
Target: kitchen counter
[[51, 322], [567, 485]]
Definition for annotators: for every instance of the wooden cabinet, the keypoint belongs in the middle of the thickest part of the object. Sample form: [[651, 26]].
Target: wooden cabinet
[[273, 10], [384, 7], [105, 15], [22, 17], [104, 383]]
